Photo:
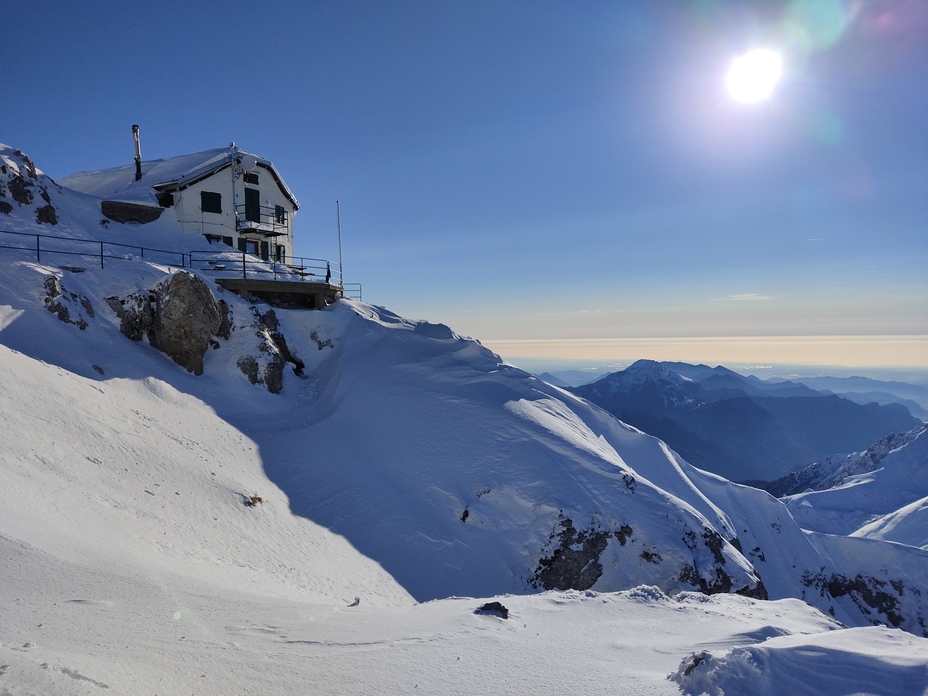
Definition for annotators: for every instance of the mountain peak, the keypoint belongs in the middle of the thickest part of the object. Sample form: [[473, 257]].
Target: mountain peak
[[642, 371]]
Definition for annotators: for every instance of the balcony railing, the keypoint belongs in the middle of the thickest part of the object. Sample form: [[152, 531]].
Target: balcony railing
[[264, 220], [229, 262]]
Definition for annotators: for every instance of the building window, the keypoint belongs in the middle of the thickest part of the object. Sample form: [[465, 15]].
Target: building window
[[280, 215], [281, 256], [249, 246], [251, 178], [210, 202]]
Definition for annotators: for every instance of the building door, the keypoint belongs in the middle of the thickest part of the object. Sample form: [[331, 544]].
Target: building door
[[252, 205]]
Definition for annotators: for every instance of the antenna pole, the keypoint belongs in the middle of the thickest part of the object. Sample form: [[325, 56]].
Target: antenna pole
[[341, 271], [234, 196]]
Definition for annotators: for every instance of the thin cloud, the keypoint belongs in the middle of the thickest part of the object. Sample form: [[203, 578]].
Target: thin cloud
[[746, 297]]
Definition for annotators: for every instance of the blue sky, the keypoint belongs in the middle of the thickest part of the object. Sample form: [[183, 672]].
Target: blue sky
[[534, 173]]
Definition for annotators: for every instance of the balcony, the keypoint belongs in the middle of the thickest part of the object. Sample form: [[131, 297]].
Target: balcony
[[264, 220]]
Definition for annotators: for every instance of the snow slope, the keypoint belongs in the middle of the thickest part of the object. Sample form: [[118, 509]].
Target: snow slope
[[406, 462], [907, 525], [899, 477]]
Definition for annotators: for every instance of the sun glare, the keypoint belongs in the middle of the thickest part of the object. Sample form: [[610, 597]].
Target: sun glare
[[752, 77]]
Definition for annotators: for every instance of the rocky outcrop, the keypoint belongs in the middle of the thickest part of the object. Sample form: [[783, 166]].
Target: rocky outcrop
[[179, 317], [69, 307], [879, 600], [136, 314], [574, 563], [274, 352], [22, 182]]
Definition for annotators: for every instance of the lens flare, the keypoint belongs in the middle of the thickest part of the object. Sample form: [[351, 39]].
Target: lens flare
[[752, 77]]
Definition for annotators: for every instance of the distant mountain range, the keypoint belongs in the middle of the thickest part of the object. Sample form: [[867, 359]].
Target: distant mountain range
[[860, 390], [863, 390], [743, 428]]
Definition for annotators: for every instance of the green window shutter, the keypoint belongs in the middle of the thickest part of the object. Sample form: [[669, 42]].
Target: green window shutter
[[252, 205], [241, 244], [210, 202], [265, 251]]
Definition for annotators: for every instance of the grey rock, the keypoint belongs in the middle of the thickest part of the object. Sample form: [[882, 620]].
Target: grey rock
[[225, 320], [57, 301], [186, 317], [136, 315], [249, 366], [46, 214], [274, 345], [179, 317]]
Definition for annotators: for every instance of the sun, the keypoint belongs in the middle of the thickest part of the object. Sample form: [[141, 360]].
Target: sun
[[752, 77]]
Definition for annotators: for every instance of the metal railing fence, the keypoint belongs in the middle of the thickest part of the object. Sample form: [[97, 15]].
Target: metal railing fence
[[50, 246], [293, 268]]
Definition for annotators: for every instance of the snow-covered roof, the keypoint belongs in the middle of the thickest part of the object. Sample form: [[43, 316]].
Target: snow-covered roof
[[170, 174]]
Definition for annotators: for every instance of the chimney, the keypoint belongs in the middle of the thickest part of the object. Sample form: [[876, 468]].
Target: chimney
[[138, 153]]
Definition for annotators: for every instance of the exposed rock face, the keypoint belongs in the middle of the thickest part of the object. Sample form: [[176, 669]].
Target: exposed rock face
[[136, 314], [883, 601], [225, 320], [249, 367], [69, 307], [179, 317], [274, 346], [574, 564], [22, 181], [46, 214]]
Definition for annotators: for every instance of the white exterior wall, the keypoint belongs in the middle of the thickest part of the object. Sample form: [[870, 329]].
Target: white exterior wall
[[194, 221]]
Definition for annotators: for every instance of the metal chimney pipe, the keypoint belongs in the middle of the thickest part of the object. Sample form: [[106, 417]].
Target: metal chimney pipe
[[138, 153]]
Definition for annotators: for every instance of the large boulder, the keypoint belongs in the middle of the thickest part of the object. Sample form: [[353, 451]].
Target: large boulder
[[180, 317], [187, 316]]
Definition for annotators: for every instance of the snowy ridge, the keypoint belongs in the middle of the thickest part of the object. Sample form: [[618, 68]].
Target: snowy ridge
[[835, 470], [895, 474], [907, 525]]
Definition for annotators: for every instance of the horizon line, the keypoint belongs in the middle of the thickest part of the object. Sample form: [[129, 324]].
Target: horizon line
[[852, 350]]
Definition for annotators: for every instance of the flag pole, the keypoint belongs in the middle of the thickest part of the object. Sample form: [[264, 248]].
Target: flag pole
[[341, 271]]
